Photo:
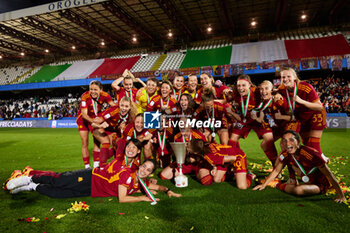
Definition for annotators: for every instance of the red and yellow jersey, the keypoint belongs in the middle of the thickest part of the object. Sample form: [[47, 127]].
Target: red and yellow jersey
[[176, 94], [104, 184], [306, 92], [122, 92], [218, 93], [309, 159], [194, 134], [156, 103], [130, 132], [219, 151], [254, 100], [112, 116], [93, 106]]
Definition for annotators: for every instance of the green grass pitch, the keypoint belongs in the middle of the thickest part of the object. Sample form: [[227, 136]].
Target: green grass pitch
[[216, 208]]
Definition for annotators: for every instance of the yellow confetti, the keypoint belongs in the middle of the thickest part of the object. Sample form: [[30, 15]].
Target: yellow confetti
[[146, 217], [60, 216], [78, 207], [34, 219], [110, 199], [192, 228]]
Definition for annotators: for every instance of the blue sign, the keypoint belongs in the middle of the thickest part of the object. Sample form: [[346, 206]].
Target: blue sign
[[151, 120]]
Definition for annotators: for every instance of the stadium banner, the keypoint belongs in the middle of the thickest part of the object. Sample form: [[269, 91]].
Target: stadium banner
[[25, 124], [338, 122], [39, 124], [63, 124], [188, 71], [46, 8]]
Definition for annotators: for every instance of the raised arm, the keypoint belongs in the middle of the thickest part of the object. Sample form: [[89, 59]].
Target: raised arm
[[115, 83]]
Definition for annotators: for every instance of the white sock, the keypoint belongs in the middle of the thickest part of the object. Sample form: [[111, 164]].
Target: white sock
[[87, 166], [96, 164]]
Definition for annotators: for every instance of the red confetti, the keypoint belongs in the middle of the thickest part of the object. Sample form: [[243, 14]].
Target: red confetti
[[55, 215], [121, 213], [46, 218], [301, 205]]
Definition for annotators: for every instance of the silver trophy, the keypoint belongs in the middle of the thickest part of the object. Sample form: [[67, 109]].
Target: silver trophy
[[179, 149]]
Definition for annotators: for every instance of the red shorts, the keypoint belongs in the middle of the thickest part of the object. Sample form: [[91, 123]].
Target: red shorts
[[279, 130], [260, 129], [241, 163], [321, 181], [84, 125], [316, 122]]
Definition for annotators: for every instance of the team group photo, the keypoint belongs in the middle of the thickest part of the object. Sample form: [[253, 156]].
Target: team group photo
[[228, 134]]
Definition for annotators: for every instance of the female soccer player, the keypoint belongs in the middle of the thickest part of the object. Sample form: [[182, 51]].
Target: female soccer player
[[90, 106], [135, 130], [163, 102], [127, 90], [219, 156], [186, 106], [144, 95], [113, 121], [192, 84], [179, 87], [308, 164], [210, 109], [248, 97], [95, 183], [207, 82], [305, 106]]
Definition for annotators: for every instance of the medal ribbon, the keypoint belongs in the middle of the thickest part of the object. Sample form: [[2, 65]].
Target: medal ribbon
[[177, 96], [147, 97], [161, 102], [265, 106], [184, 140], [126, 160], [245, 106], [130, 97], [213, 117], [94, 105], [135, 134], [148, 192], [123, 118], [302, 169], [292, 105], [162, 141]]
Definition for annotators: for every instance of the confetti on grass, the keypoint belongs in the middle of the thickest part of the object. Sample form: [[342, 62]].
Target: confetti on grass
[[78, 206]]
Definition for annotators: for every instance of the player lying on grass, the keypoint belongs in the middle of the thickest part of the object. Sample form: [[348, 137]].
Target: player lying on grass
[[221, 158], [94, 183], [306, 163]]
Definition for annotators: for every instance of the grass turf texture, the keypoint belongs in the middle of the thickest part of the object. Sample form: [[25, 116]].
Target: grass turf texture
[[216, 208]]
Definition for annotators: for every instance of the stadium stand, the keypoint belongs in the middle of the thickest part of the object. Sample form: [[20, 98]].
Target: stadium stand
[[145, 63], [172, 61]]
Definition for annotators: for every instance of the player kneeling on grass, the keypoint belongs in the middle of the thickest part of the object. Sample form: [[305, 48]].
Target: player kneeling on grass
[[89, 182], [221, 157], [308, 164]]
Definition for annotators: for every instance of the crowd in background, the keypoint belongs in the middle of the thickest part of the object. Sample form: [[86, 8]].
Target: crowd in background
[[333, 93]]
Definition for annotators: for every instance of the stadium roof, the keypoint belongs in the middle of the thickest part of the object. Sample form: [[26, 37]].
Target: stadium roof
[[87, 23]]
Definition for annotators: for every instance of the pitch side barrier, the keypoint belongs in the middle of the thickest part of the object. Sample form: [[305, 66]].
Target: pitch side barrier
[[334, 121]]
